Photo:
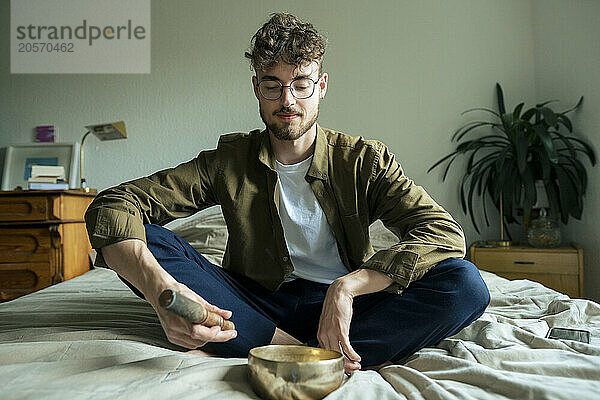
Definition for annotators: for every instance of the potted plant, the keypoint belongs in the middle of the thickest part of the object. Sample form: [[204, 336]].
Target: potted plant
[[514, 150]]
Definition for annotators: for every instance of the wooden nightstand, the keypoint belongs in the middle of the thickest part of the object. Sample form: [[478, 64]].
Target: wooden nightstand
[[559, 268], [43, 239]]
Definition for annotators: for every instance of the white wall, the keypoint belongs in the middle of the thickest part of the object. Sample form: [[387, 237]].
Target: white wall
[[399, 71], [567, 66]]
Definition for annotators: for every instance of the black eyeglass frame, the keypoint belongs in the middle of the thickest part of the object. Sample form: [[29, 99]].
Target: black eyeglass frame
[[289, 86]]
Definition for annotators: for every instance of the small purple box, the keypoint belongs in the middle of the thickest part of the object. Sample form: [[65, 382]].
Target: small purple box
[[44, 133]]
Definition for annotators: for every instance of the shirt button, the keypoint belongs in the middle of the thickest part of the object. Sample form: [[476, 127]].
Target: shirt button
[[285, 259]]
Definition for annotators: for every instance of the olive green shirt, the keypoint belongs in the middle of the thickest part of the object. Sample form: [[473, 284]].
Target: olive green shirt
[[356, 182]]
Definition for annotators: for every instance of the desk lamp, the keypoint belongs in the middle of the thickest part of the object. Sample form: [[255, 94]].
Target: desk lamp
[[108, 131]]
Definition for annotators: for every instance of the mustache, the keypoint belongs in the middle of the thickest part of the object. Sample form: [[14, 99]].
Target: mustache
[[287, 110]]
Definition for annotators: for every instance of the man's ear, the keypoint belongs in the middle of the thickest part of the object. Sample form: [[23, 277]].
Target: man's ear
[[323, 85], [255, 86]]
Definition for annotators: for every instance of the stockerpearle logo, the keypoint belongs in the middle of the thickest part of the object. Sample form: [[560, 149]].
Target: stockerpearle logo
[[80, 36]]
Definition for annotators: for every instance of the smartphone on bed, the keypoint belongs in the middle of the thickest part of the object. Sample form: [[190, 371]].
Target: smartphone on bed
[[570, 334]]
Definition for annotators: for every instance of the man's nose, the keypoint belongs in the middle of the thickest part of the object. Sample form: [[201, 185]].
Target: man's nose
[[287, 98]]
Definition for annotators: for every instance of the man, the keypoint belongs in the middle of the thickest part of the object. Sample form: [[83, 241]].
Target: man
[[298, 200]]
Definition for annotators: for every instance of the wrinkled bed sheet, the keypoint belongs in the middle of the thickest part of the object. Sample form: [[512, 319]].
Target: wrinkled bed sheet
[[91, 337]]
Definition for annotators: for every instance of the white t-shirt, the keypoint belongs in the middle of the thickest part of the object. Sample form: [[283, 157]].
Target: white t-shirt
[[309, 238]]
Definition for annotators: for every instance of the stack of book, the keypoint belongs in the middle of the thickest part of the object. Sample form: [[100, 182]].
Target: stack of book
[[45, 177]]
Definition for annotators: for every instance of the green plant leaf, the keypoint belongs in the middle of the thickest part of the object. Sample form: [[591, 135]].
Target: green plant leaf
[[562, 151], [481, 109], [540, 105], [517, 111], [470, 160], [464, 146], [581, 173], [563, 119], [545, 165], [529, 195], [508, 195], [575, 182], [473, 182], [462, 131], [500, 94], [477, 177], [453, 154], [485, 162], [482, 172], [518, 188], [549, 116], [507, 124], [499, 168], [499, 165], [564, 141], [579, 103], [528, 114], [547, 142], [522, 149], [447, 169], [568, 201], [553, 199], [577, 172], [587, 149], [483, 202], [490, 189], [479, 169]]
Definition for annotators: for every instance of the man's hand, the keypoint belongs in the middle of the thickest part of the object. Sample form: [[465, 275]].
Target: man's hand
[[132, 260], [183, 333], [334, 325]]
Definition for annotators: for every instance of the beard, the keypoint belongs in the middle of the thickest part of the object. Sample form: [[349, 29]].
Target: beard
[[287, 131]]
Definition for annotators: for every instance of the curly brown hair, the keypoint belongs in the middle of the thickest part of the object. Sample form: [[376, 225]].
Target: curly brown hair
[[285, 37]]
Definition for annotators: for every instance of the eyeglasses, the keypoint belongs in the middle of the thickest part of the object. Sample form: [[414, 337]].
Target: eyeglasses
[[301, 88]]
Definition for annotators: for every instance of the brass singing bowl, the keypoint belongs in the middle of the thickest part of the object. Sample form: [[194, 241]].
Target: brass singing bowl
[[281, 372]]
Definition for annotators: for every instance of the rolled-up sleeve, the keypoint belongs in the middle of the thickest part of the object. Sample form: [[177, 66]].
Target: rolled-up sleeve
[[120, 212], [428, 234]]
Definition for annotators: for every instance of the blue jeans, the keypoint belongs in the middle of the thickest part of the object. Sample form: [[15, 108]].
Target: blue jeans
[[384, 327]]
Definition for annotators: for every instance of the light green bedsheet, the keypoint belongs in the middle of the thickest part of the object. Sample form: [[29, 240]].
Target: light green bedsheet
[[91, 337]]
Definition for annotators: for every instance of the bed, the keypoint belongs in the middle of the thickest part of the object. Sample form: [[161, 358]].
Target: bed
[[90, 337]]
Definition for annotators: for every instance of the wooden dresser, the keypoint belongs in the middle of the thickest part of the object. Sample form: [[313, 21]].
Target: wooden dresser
[[43, 239], [558, 268]]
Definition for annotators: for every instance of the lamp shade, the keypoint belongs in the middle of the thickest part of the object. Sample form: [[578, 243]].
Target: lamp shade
[[109, 131]]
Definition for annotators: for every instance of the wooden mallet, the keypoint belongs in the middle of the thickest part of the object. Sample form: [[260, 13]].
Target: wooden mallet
[[192, 311]]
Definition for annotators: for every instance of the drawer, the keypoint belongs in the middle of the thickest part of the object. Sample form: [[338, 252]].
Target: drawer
[[563, 263], [25, 245], [23, 208], [19, 279]]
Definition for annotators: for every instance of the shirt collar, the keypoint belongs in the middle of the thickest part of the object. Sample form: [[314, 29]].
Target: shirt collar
[[320, 162], [265, 153]]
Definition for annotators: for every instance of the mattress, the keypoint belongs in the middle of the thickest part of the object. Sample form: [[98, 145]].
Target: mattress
[[90, 337]]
